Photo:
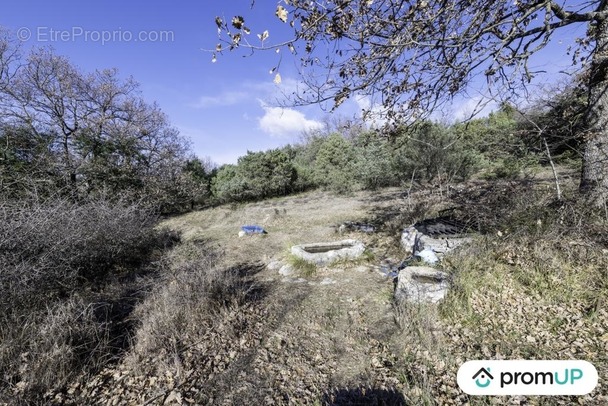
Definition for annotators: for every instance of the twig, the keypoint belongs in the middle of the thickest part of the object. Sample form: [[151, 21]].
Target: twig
[[411, 185], [557, 188]]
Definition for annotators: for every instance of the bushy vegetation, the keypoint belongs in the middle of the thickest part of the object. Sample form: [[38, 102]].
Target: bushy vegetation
[[85, 135], [86, 166], [67, 282], [502, 145], [258, 175]]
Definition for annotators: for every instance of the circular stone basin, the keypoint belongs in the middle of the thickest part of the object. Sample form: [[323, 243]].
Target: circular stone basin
[[421, 284], [324, 253]]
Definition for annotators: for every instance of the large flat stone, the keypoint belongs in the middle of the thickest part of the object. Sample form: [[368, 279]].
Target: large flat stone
[[442, 245], [413, 241], [325, 253]]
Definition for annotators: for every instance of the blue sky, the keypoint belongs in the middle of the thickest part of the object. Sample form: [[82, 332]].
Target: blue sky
[[226, 107]]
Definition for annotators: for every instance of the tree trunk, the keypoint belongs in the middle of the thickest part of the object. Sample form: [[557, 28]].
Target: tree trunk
[[594, 177]]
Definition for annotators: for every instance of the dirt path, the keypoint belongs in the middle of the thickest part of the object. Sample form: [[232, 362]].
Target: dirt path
[[329, 336], [332, 336]]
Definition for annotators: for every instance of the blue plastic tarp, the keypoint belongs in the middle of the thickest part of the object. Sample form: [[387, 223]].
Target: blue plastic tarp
[[253, 229]]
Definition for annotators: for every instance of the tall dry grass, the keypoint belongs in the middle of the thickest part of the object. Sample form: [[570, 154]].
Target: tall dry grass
[[534, 285], [68, 280]]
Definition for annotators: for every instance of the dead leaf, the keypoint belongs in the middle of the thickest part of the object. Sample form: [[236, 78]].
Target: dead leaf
[[281, 13], [263, 36]]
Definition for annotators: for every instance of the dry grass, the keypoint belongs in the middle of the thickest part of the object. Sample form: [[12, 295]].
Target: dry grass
[[191, 298], [220, 328], [301, 266], [293, 220], [534, 287]]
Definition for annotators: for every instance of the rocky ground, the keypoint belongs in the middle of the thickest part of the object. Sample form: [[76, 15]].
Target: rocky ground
[[335, 335]]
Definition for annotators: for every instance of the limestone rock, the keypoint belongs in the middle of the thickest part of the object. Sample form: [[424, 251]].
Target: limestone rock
[[287, 270], [325, 253], [421, 284], [413, 242], [409, 240], [274, 265], [442, 245], [428, 256]]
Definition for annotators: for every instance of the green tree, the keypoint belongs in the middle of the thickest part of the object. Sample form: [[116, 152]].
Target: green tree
[[335, 164], [415, 56], [430, 151], [374, 164], [304, 159], [267, 174], [495, 143], [228, 185], [27, 163]]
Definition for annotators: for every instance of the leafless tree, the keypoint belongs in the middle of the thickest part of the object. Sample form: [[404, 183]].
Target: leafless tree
[[413, 56], [103, 135]]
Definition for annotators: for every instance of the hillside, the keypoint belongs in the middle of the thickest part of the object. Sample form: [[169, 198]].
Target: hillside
[[222, 326]]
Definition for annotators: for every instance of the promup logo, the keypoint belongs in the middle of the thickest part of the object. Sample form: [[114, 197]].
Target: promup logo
[[483, 375], [521, 377]]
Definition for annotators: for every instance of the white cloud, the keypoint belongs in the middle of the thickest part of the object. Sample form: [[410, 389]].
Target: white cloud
[[478, 106], [250, 91], [227, 98], [285, 122], [376, 116]]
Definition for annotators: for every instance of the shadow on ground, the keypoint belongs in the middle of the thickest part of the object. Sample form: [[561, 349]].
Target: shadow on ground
[[476, 206], [363, 396]]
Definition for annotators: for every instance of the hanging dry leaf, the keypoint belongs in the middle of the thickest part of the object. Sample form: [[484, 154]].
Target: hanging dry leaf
[[281, 13], [277, 79], [237, 22], [263, 36]]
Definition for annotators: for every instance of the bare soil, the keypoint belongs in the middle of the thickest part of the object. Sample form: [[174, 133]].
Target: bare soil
[[331, 336], [335, 336]]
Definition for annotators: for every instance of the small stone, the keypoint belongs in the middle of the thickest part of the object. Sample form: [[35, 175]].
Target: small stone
[[376, 362], [327, 281], [174, 397], [409, 239], [274, 265], [287, 270]]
